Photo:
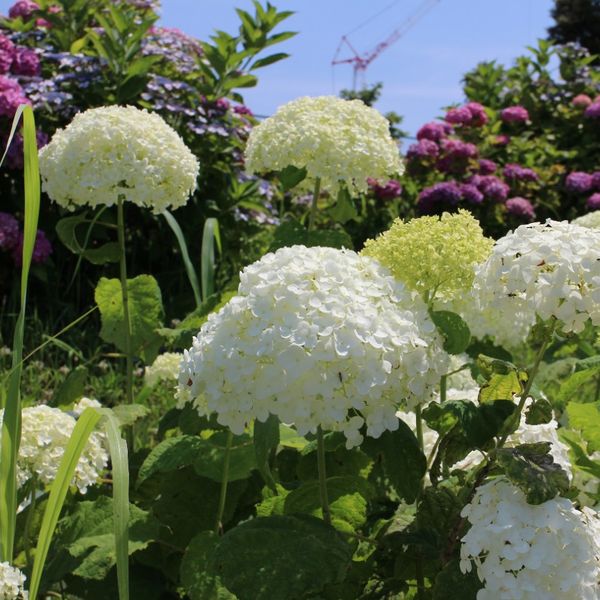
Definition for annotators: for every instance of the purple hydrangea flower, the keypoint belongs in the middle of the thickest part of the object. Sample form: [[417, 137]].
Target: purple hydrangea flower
[[447, 193], [470, 193], [14, 156], [520, 207], [241, 109], [23, 9], [596, 180], [458, 116], [519, 173], [7, 54], [491, 187], [422, 149], [456, 156], [514, 114], [41, 251], [181, 50], [478, 115], [11, 95], [9, 231], [593, 110], [593, 202], [487, 167], [392, 189], [434, 131], [579, 182], [26, 62], [222, 104]]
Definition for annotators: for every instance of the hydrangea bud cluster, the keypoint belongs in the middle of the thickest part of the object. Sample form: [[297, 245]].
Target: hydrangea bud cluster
[[338, 141], [523, 551], [45, 433], [113, 152], [435, 256], [319, 337], [164, 368], [12, 583], [549, 270]]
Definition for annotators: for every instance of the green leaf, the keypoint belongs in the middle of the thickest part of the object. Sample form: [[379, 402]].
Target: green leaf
[[72, 388], [66, 229], [457, 335], [210, 236], [280, 557], [196, 581], [501, 387], [243, 81], [571, 385], [451, 582], [539, 412], [291, 233], [586, 419], [290, 177], [403, 461], [266, 440], [145, 309], [582, 460], [533, 470], [268, 60], [344, 209]]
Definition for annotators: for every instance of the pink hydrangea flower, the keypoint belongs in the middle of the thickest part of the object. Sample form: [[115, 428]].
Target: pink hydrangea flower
[[514, 114], [581, 100], [593, 202], [23, 9], [7, 54], [26, 62], [11, 96]]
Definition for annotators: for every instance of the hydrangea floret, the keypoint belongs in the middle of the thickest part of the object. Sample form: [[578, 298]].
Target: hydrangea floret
[[435, 256], [523, 551], [546, 270], [45, 433], [164, 368], [337, 141], [12, 583], [320, 337], [118, 152]]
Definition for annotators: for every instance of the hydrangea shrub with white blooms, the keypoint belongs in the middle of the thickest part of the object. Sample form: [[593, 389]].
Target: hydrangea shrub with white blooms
[[115, 152], [45, 433], [12, 583], [318, 337], [164, 368], [529, 552], [335, 140]]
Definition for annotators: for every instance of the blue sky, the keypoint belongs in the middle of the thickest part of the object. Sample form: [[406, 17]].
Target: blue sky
[[421, 72]]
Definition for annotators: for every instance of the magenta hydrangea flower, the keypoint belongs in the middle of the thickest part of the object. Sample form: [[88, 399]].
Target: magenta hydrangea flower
[[434, 131], [388, 191], [593, 110], [470, 193], [579, 182], [9, 231], [456, 155], [596, 180], [26, 62], [7, 54], [41, 251], [514, 114], [23, 9], [458, 116], [222, 104], [581, 100], [593, 202], [519, 173], [491, 187], [11, 95], [478, 115], [520, 207], [487, 166], [444, 194], [422, 149], [502, 140], [241, 109]]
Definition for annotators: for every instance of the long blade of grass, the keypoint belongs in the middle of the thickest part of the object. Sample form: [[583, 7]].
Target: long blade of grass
[[185, 255], [11, 423], [210, 236], [83, 428], [120, 477]]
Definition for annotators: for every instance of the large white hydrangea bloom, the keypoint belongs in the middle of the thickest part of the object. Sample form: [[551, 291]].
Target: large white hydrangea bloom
[[164, 368], [12, 583], [116, 152], [547, 269], [314, 335], [591, 220], [549, 551], [336, 140], [45, 433]]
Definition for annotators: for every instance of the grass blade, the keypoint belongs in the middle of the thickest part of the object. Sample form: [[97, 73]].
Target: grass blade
[[185, 255], [210, 236], [11, 423]]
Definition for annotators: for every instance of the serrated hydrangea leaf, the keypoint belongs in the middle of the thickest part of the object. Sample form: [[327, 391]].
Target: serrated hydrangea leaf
[[145, 310], [586, 419], [211, 456], [197, 583], [266, 440], [454, 329], [501, 387], [287, 557], [348, 497], [531, 468], [539, 412]]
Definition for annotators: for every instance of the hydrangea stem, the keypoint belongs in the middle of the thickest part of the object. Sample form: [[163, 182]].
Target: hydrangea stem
[[322, 476], [419, 559], [224, 481], [29, 521], [313, 206], [443, 387]]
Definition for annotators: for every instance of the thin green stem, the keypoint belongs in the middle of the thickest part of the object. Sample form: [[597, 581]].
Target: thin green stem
[[443, 387], [224, 481], [313, 206], [28, 521], [322, 476], [419, 559]]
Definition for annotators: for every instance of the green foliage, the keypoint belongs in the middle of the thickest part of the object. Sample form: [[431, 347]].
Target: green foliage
[[454, 329], [586, 419], [72, 388], [291, 232], [266, 440]]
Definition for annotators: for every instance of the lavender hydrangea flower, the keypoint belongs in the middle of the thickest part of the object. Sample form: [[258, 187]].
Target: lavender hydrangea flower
[[7, 54], [23, 9], [458, 116], [9, 231], [470, 193], [434, 131], [579, 182], [422, 149], [26, 62], [520, 207], [519, 173], [487, 167], [593, 202], [444, 194], [593, 110], [41, 251], [514, 114], [179, 49]]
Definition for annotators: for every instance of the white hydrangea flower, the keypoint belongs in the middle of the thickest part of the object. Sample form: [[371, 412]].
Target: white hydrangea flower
[[118, 151], [45, 433], [591, 220], [164, 368], [84, 403], [12, 583], [334, 139], [549, 551], [314, 335], [548, 270]]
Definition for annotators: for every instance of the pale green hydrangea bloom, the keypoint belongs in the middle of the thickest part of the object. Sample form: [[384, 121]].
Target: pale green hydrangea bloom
[[12, 583], [435, 256], [335, 140], [591, 220], [164, 368], [115, 152]]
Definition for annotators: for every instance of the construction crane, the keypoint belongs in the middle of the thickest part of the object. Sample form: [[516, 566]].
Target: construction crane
[[360, 62]]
